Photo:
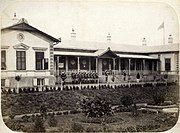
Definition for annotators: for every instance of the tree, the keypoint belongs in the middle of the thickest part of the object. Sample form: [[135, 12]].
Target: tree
[[39, 124], [96, 107], [127, 101], [43, 110], [52, 121]]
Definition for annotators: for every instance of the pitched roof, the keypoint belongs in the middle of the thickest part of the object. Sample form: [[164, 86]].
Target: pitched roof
[[73, 44], [23, 25]]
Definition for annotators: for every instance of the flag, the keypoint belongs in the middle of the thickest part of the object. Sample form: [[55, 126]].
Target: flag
[[161, 26]]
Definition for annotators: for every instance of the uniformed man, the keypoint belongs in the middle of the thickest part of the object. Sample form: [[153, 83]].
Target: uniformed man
[[63, 77]]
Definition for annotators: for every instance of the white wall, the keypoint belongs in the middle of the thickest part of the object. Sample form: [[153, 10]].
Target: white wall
[[9, 38], [172, 56]]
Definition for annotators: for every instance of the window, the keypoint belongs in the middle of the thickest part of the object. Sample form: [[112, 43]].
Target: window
[[167, 64], [117, 64], [3, 82], [40, 81], [45, 63], [3, 60], [72, 63], [21, 60], [138, 64], [39, 60], [132, 65], [123, 64], [155, 65], [93, 63]]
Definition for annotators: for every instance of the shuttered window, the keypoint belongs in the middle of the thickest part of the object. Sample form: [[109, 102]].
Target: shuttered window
[[21, 60], [39, 60], [3, 60], [167, 64]]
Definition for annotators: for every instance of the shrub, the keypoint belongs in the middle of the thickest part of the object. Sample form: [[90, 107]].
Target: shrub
[[14, 125], [39, 125], [96, 107], [11, 115], [75, 127], [127, 100], [25, 118], [43, 110], [158, 99], [52, 121]]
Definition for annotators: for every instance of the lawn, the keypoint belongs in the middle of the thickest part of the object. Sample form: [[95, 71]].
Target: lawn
[[119, 122], [26, 103], [29, 103]]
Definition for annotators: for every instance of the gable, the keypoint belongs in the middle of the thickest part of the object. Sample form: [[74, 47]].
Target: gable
[[108, 54], [11, 38], [23, 26]]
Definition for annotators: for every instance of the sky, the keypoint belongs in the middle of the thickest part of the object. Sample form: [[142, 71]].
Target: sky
[[127, 22]]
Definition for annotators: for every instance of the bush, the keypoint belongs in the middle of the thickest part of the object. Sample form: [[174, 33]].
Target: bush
[[39, 125], [75, 127], [14, 125], [158, 99], [96, 107], [25, 118], [52, 121], [127, 100]]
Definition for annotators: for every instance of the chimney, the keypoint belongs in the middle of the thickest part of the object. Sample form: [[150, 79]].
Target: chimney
[[15, 19], [73, 35], [144, 42], [170, 39], [108, 38]]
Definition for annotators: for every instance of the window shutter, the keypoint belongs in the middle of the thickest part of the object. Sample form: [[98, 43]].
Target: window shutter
[[45, 63], [46, 81], [35, 82]]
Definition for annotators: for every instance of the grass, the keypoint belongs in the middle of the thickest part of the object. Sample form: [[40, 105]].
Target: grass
[[68, 100], [123, 121]]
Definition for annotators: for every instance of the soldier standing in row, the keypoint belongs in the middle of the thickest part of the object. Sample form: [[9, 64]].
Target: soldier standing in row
[[63, 77]]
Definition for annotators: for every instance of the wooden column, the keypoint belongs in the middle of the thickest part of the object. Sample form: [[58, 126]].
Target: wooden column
[[144, 65], [97, 65], [109, 64], [135, 64], [141, 65], [114, 63], [78, 63], [57, 65], [89, 63], [66, 64], [129, 66]]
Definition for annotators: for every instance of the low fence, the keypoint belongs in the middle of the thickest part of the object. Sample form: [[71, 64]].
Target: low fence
[[80, 87]]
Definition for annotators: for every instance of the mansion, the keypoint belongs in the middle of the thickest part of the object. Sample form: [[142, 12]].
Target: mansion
[[39, 59]]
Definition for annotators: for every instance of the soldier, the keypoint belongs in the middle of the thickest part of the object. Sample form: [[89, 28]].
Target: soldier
[[124, 74], [138, 77], [106, 74], [63, 77]]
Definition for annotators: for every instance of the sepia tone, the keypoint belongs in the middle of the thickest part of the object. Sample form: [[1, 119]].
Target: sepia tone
[[80, 84]]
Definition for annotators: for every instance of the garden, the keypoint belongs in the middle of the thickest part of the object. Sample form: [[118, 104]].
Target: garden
[[106, 109]]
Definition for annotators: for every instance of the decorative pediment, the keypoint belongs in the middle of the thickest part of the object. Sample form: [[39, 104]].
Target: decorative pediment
[[4, 47], [39, 48], [106, 53], [21, 46]]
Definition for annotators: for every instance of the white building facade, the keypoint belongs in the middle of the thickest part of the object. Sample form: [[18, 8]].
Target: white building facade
[[38, 59], [26, 52]]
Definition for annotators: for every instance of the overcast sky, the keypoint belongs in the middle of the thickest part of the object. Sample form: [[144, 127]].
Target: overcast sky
[[128, 23]]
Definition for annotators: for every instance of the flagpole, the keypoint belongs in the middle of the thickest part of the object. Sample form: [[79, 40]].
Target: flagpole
[[164, 35]]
